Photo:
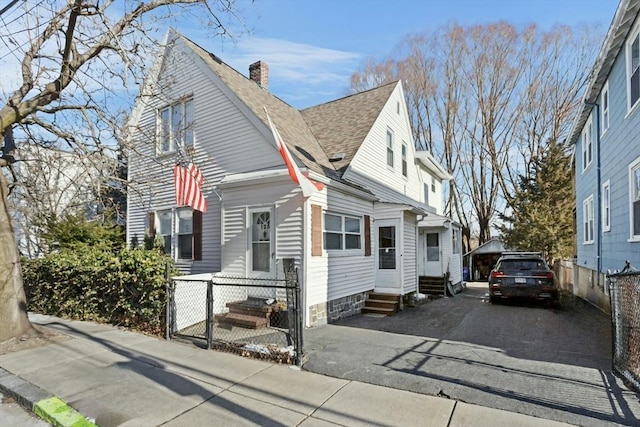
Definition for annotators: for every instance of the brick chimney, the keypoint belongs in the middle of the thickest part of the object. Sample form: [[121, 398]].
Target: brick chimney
[[259, 73]]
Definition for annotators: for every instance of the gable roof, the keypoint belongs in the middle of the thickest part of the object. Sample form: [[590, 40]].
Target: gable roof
[[619, 29], [294, 130], [342, 125], [312, 135]]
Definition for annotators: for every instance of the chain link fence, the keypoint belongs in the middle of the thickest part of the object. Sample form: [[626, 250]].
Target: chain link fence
[[624, 291], [253, 317]]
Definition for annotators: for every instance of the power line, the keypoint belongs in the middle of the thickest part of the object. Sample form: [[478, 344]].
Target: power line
[[11, 4]]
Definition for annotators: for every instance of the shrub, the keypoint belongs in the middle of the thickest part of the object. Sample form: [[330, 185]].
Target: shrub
[[125, 288]]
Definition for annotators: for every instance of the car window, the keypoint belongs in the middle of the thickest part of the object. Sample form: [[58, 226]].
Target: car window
[[521, 265]]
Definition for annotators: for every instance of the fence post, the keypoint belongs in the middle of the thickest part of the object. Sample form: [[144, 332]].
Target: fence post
[[169, 310], [209, 314], [293, 284]]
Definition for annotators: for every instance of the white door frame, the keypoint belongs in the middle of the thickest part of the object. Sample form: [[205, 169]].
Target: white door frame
[[433, 267], [271, 273], [389, 280]]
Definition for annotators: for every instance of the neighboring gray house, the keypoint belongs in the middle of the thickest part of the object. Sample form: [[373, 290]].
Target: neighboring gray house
[[356, 236], [606, 134]]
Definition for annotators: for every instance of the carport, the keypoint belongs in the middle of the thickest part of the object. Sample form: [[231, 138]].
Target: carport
[[481, 260]]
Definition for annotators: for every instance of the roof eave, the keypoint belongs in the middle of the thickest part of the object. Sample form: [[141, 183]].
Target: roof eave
[[614, 41]]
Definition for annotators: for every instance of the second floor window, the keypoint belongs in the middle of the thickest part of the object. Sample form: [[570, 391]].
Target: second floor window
[[633, 69], [404, 159], [176, 126], [389, 147], [587, 145], [604, 105]]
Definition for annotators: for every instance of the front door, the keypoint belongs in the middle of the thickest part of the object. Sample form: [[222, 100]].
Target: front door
[[388, 268], [261, 260], [432, 254]]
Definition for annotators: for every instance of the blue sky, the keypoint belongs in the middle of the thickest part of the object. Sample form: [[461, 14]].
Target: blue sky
[[313, 46]]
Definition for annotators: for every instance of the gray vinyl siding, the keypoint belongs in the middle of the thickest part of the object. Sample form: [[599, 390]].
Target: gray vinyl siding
[[409, 256], [620, 146], [222, 134]]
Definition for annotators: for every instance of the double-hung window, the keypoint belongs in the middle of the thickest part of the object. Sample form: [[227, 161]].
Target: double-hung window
[[634, 199], [389, 147], [604, 107], [341, 232], [404, 159], [165, 229], [606, 206], [180, 231], [176, 126], [587, 220], [185, 233], [633, 69], [587, 144]]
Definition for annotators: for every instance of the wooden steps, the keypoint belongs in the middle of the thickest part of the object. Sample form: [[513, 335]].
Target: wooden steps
[[242, 320], [252, 313], [432, 285], [377, 303]]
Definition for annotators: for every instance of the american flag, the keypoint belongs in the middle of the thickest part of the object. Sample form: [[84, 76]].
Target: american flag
[[188, 181]]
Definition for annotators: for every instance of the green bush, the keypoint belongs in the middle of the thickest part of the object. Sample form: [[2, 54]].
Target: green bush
[[125, 288], [73, 232]]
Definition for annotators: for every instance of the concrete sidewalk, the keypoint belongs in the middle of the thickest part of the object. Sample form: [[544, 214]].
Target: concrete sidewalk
[[119, 378]]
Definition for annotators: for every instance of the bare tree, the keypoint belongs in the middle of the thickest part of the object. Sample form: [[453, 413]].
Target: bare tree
[[53, 183], [486, 100], [77, 58]]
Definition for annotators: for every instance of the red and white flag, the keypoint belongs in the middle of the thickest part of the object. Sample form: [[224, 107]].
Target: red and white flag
[[188, 181], [307, 186]]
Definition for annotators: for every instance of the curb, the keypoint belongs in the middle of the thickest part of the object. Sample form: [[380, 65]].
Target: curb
[[44, 404]]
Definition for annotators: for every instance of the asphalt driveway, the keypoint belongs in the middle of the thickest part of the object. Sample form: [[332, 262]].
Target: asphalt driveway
[[549, 363]]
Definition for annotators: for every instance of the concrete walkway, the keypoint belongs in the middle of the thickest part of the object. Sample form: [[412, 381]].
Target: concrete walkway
[[119, 378]]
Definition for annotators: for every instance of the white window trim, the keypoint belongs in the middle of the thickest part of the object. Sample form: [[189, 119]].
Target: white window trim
[[606, 206], [633, 165], [177, 234], [605, 119], [404, 166], [387, 148], [588, 129], [172, 252], [587, 216], [343, 251], [635, 33], [172, 143]]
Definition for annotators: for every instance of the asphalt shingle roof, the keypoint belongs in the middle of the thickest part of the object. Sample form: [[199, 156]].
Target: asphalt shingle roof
[[314, 134], [341, 126]]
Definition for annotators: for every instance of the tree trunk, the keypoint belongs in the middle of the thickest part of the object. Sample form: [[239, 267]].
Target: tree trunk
[[13, 303]]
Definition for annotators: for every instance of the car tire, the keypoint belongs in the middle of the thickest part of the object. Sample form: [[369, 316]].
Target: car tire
[[494, 300]]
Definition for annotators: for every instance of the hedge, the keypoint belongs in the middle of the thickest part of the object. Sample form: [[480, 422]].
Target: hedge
[[125, 288]]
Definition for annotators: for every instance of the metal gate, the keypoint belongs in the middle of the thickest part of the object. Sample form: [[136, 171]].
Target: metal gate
[[624, 292], [249, 316]]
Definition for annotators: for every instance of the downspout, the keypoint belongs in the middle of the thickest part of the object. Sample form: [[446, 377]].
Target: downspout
[[599, 193]]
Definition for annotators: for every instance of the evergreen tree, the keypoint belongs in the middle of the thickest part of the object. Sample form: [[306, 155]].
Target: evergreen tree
[[541, 217]]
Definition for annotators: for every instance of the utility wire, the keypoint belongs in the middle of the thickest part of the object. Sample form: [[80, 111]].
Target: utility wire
[[11, 4]]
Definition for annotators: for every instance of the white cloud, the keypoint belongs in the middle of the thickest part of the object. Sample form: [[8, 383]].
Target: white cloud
[[301, 74]]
